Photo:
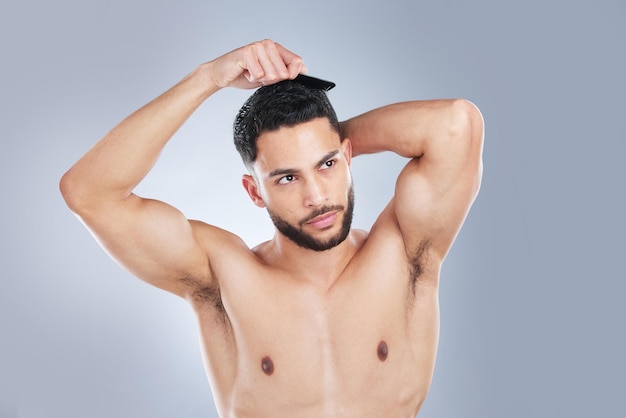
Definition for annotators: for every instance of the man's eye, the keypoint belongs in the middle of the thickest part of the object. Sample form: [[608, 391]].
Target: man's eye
[[328, 164], [286, 179]]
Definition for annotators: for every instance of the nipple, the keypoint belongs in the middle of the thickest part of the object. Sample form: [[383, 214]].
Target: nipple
[[383, 351], [267, 365]]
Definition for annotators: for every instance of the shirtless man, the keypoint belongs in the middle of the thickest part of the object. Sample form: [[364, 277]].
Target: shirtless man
[[321, 320]]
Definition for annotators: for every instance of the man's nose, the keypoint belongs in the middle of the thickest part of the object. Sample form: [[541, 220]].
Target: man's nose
[[314, 193]]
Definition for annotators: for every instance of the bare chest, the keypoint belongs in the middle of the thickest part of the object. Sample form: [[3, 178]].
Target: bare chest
[[359, 345]]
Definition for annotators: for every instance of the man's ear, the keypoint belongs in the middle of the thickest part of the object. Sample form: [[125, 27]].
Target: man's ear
[[249, 183], [346, 149]]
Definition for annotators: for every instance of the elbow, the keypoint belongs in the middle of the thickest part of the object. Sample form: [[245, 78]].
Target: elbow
[[468, 131], [466, 121], [85, 196], [70, 188], [67, 187]]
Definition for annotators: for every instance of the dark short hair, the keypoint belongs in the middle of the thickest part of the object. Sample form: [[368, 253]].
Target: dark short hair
[[284, 104]]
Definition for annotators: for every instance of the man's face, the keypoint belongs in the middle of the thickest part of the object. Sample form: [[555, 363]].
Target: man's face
[[302, 176], [300, 236]]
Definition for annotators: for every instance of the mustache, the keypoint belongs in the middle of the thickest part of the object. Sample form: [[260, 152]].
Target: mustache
[[321, 211]]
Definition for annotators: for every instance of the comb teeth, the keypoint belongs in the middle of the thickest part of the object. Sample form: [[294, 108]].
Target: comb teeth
[[314, 82]]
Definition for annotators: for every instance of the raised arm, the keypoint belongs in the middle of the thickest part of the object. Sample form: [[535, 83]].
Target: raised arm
[[443, 139], [150, 238]]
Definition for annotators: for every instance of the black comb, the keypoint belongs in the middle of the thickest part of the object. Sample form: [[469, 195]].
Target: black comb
[[314, 82]]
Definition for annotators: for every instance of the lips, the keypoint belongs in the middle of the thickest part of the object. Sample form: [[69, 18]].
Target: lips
[[323, 221]]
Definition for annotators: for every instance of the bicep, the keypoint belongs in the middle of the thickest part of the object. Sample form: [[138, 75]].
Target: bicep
[[434, 192], [152, 240]]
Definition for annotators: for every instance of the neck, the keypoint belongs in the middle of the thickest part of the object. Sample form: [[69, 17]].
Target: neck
[[319, 267]]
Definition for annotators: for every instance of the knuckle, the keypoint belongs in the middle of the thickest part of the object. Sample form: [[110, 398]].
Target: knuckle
[[271, 76]]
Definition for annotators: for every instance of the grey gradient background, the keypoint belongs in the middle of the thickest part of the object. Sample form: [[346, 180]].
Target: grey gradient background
[[531, 294]]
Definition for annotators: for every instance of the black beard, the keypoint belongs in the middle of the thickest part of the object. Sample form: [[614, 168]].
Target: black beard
[[297, 235]]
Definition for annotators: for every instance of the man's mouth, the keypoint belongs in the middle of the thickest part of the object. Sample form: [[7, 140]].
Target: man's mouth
[[323, 221]]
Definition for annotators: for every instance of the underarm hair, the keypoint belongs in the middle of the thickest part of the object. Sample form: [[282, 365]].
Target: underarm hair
[[208, 297], [418, 263]]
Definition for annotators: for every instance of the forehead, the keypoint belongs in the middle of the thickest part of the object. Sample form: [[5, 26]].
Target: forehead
[[296, 146]]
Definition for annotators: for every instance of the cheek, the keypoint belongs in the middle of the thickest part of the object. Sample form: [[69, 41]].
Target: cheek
[[347, 181], [282, 203]]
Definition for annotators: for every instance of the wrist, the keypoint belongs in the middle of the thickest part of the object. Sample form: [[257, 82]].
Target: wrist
[[201, 78]]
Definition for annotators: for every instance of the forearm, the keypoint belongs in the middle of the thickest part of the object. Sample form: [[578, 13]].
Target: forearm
[[122, 158], [406, 128], [119, 161]]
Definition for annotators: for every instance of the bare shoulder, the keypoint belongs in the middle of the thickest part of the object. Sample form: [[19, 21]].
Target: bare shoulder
[[359, 237], [215, 239], [386, 243], [225, 251], [222, 247], [385, 233]]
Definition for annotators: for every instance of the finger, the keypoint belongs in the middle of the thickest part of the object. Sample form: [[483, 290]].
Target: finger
[[293, 62], [258, 63], [265, 55], [253, 68], [276, 57]]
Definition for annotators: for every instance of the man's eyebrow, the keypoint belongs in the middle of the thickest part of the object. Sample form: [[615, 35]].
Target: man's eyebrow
[[327, 157], [285, 171], [282, 172]]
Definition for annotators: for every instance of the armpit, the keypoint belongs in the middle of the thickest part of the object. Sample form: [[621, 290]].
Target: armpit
[[207, 297], [419, 262]]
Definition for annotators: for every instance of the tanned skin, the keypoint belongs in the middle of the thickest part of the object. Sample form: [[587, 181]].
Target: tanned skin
[[287, 331]]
